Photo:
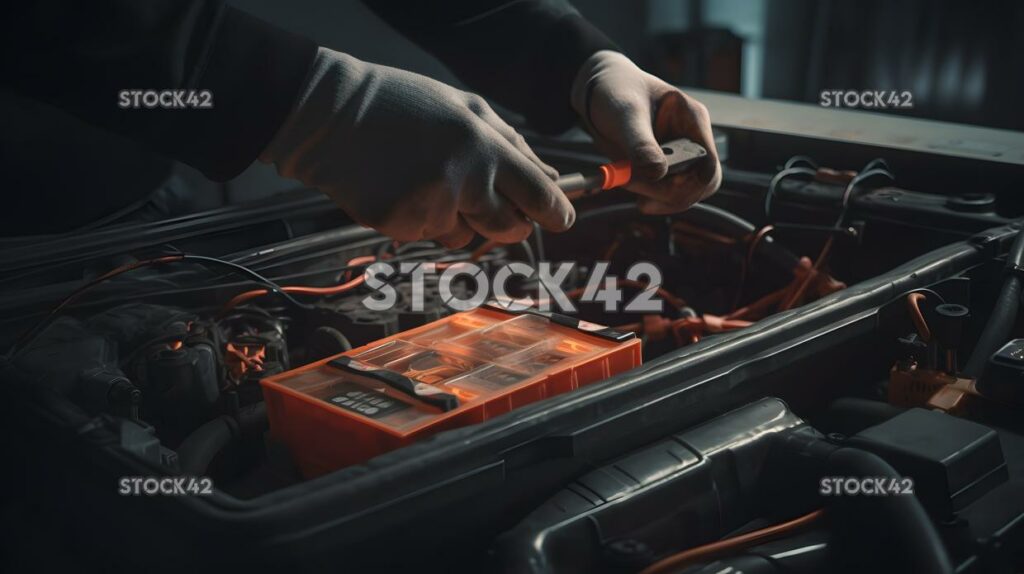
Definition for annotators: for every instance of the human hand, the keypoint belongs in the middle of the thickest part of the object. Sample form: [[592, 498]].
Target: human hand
[[628, 111], [415, 158]]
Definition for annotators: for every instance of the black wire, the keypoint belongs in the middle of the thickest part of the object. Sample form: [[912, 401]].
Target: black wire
[[861, 176], [538, 237], [530, 256], [877, 166], [30, 335], [403, 248], [383, 249], [776, 181], [272, 287], [926, 291], [793, 161], [243, 270]]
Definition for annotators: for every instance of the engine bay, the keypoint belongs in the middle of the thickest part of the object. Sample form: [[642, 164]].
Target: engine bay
[[174, 369], [816, 322]]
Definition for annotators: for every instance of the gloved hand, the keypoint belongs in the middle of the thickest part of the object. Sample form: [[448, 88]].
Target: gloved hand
[[414, 158], [628, 111]]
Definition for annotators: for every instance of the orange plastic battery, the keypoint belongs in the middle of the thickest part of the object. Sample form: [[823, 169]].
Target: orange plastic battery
[[460, 370]]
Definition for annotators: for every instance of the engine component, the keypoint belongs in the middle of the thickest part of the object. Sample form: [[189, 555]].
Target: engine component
[[931, 375], [952, 461], [254, 345], [182, 380], [687, 488], [1004, 315], [108, 390], [198, 450], [1004, 375], [457, 371], [140, 439], [711, 490]]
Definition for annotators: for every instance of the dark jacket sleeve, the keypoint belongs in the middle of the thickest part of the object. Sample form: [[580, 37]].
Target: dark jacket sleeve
[[80, 55], [522, 54]]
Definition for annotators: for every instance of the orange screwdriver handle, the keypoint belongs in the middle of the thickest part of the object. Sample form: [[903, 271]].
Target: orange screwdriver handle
[[680, 155], [616, 174]]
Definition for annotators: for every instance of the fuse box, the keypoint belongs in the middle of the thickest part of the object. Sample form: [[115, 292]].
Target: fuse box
[[460, 370]]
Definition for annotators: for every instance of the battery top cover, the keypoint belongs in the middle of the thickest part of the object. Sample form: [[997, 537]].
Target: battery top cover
[[457, 371]]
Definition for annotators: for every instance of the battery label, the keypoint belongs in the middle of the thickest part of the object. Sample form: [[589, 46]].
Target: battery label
[[367, 402]]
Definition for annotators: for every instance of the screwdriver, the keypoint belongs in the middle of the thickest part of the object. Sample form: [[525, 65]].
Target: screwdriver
[[680, 153]]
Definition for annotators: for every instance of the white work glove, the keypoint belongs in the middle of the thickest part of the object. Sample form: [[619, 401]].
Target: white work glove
[[414, 158], [628, 111]]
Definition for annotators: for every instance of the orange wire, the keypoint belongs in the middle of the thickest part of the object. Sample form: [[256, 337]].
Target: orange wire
[[686, 558], [359, 261], [795, 297], [656, 325], [761, 304], [303, 290], [755, 241], [914, 306], [673, 300], [752, 244]]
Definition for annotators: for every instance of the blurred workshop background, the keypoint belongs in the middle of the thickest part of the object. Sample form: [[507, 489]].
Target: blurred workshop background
[[962, 61]]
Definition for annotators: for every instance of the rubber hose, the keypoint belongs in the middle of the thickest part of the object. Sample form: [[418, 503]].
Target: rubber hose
[[899, 520], [1004, 313], [198, 449], [253, 418]]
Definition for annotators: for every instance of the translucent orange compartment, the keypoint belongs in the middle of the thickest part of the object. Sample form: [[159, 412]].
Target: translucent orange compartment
[[457, 371]]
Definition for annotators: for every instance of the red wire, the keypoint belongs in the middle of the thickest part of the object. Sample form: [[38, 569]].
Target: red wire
[[27, 335]]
